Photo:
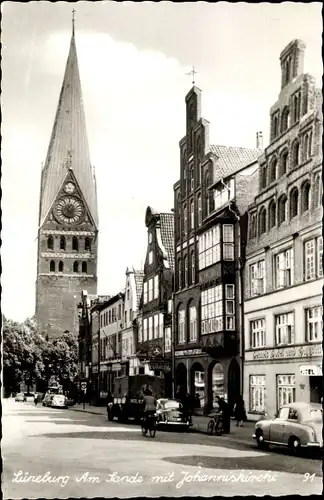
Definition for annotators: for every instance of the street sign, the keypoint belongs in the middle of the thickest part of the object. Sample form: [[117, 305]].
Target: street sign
[[83, 386], [160, 365]]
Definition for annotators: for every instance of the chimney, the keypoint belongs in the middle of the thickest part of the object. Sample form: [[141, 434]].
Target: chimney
[[259, 140]]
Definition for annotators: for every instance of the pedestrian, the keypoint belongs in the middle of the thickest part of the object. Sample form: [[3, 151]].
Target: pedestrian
[[197, 400], [226, 414], [36, 399], [239, 411]]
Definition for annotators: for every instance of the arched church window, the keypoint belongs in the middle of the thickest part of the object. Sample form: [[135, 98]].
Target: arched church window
[[62, 243], [87, 244], [61, 267], [50, 243], [52, 266], [75, 243], [84, 267], [76, 267]]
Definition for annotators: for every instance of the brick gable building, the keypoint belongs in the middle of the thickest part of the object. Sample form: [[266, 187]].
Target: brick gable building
[[283, 272]]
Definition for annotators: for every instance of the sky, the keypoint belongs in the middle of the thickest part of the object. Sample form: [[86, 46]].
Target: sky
[[133, 60]]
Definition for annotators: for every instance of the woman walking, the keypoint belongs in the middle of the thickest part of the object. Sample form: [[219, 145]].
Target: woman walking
[[239, 412]]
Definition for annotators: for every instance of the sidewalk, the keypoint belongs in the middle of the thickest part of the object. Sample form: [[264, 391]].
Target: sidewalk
[[200, 422]]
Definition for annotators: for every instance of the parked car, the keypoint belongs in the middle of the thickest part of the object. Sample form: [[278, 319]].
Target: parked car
[[170, 414], [20, 397], [296, 425], [47, 401], [30, 396], [59, 401]]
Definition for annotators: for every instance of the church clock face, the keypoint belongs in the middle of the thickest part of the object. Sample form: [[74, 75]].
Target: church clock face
[[69, 210]]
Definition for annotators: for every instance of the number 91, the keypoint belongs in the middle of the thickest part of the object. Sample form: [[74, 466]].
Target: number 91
[[308, 477]]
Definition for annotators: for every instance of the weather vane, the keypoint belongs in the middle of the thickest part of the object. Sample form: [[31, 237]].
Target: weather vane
[[192, 73]]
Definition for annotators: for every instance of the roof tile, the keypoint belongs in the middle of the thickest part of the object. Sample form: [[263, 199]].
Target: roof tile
[[232, 159]]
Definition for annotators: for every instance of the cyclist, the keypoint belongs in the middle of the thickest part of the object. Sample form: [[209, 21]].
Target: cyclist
[[149, 402]]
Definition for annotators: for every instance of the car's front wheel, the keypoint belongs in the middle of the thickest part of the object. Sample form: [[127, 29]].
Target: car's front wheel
[[260, 441], [294, 444]]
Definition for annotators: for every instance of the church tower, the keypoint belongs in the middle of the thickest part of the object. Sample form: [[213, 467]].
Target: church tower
[[68, 216]]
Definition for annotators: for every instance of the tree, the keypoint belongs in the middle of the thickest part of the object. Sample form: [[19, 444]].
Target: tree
[[22, 354], [60, 359]]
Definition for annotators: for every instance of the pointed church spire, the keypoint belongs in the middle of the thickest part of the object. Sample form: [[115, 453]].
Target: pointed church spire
[[68, 148]]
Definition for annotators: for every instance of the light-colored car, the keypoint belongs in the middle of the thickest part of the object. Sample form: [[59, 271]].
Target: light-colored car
[[296, 425], [47, 401], [30, 396], [169, 412], [59, 401], [20, 397]]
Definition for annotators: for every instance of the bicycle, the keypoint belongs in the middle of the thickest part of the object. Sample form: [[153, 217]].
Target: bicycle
[[215, 425], [148, 424]]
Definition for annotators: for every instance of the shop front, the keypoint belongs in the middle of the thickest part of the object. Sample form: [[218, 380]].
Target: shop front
[[277, 376], [206, 378]]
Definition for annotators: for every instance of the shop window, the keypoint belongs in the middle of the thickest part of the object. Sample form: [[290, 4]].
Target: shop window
[[218, 383], [286, 393], [257, 393]]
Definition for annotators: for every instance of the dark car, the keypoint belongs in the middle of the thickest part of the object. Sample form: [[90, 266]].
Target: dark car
[[170, 414]]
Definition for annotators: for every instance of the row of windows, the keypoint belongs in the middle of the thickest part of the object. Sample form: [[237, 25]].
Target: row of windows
[[151, 289], [110, 347], [210, 245], [285, 390], [280, 122], [76, 267], [75, 243], [286, 208], [284, 328], [152, 328], [283, 265], [111, 316], [280, 166], [217, 313], [187, 270]]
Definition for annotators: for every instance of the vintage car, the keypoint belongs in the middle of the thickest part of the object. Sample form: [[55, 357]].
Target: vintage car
[[169, 413], [296, 425], [20, 397], [59, 401]]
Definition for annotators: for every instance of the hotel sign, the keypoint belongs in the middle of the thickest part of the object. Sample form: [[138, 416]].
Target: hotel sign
[[290, 352], [311, 370], [188, 352]]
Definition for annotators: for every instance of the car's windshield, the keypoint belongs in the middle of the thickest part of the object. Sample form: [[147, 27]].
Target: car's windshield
[[316, 415]]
